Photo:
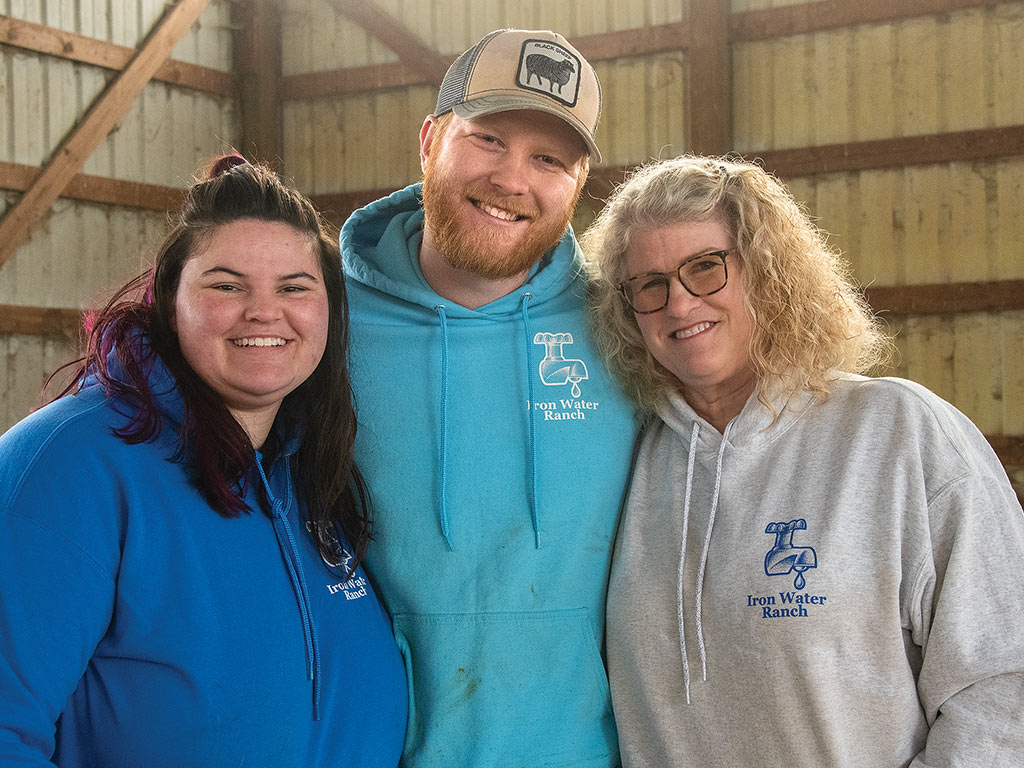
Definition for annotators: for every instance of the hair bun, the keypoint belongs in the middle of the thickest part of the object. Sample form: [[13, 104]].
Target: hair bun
[[226, 163]]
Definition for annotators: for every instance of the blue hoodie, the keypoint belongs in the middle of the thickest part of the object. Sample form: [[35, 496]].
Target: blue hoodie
[[155, 632], [497, 448]]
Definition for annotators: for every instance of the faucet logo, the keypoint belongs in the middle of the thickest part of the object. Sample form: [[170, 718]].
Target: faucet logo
[[783, 559], [555, 370]]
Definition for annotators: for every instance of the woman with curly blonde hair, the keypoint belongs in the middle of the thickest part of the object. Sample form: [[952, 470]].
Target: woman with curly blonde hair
[[796, 580]]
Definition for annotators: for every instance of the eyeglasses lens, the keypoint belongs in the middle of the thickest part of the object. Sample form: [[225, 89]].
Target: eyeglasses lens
[[701, 276]]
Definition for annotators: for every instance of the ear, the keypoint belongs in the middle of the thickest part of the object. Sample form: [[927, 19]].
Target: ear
[[427, 132]]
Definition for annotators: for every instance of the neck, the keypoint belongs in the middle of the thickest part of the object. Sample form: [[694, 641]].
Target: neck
[[467, 289], [721, 405], [256, 424]]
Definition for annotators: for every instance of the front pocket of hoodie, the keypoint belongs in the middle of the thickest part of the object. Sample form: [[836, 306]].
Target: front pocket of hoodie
[[510, 689]]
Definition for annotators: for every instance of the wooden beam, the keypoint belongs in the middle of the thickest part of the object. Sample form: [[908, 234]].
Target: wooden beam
[[1009, 449], [98, 189], [748, 26], [100, 119], [947, 298], [601, 47], [258, 63], [770, 23], [646, 41], [981, 144], [336, 82], [708, 107], [87, 50], [388, 30], [984, 144], [40, 321]]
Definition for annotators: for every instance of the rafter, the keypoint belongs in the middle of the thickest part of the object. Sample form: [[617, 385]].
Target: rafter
[[87, 50], [102, 116], [388, 30]]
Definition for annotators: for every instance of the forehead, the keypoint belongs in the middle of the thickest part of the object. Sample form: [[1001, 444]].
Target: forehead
[[527, 125], [254, 246], [662, 247]]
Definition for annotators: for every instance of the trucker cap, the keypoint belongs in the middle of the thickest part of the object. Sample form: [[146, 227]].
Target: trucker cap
[[524, 69]]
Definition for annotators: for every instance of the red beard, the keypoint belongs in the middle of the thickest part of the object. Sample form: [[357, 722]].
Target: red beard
[[483, 251]]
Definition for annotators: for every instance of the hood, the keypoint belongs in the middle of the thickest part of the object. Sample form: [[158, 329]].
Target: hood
[[372, 236]]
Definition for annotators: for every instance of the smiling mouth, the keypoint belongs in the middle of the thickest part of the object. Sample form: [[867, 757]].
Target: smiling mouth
[[498, 213], [260, 341], [693, 330]]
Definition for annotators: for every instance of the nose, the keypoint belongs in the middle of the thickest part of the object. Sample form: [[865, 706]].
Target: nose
[[262, 307], [680, 301], [510, 174]]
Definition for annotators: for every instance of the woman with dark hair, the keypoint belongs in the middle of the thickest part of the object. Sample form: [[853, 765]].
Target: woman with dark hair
[[814, 567], [182, 530]]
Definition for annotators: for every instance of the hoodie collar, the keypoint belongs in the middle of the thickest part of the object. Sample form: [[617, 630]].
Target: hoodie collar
[[380, 248]]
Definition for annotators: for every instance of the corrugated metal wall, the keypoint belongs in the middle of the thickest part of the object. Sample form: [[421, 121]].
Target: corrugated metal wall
[[370, 140], [955, 222], [80, 251], [922, 224]]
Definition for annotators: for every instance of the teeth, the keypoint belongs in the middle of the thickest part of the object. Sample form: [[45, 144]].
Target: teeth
[[260, 341], [497, 213], [688, 332]]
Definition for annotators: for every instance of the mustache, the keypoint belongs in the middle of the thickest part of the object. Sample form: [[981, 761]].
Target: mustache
[[505, 203]]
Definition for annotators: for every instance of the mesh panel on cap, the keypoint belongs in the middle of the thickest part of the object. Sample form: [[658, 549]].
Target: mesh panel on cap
[[453, 88]]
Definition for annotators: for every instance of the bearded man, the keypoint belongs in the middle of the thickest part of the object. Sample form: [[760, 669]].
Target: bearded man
[[495, 445]]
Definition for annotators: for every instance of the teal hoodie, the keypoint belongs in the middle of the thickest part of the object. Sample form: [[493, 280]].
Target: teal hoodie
[[497, 449]]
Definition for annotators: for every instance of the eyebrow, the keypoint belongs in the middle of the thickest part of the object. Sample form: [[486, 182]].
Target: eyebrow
[[236, 273]]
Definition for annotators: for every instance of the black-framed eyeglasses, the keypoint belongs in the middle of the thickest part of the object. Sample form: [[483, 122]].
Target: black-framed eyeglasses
[[700, 275]]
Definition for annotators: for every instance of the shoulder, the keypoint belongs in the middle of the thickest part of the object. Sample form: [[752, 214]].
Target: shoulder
[[67, 450], [915, 418]]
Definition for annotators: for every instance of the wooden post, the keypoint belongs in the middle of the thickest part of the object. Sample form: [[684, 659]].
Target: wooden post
[[98, 121], [708, 109], [258, 63]]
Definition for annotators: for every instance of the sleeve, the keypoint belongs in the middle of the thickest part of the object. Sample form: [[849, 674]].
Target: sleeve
[[970, 621], [56, 592]]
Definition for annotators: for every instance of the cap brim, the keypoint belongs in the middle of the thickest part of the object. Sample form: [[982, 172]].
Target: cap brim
[[507, 102]]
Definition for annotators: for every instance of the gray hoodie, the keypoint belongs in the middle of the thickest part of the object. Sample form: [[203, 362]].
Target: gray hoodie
[[850, 592]]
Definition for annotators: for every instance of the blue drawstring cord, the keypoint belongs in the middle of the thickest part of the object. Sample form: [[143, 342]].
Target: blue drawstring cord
[[291, 559], [532, 419], [445, 527]]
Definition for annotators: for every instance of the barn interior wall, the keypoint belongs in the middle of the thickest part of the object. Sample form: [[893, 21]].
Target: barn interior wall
[[920, 224], [78, 253]]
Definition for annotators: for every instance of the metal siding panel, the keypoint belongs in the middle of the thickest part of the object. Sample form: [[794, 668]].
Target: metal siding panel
[[832, 90], [1007, 63], [297, 143], [915, 79], [926, 261], [1011, 356], [1007, 215], [873, 106], [357, 123], [753, 98]]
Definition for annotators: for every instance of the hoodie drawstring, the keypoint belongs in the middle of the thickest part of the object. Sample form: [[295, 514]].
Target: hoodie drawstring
[[532, 420], [705, 548], [698, 597], [691, 458], [283, 531], [443, 438], [443, 448]]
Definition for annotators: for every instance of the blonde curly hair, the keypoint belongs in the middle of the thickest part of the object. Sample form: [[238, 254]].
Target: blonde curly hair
[[809, 318]]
